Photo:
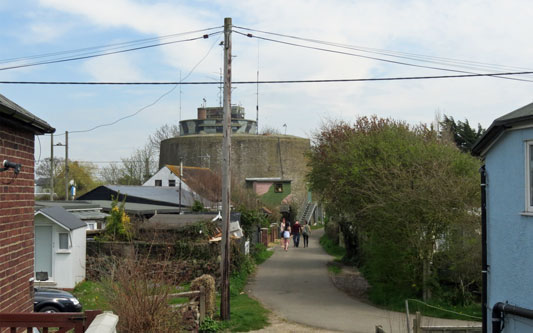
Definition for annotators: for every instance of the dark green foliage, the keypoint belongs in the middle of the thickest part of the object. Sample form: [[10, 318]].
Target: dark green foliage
[[251, 218], [396, 192], [464, 136], [260, 253], [331, 247], [197, 206]]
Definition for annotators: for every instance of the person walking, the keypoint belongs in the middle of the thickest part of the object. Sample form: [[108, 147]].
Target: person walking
[[281, 229], [306, 231], [286, 236], [296, 228]]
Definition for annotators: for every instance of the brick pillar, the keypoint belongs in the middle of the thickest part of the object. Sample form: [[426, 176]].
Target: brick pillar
[[264, 236]]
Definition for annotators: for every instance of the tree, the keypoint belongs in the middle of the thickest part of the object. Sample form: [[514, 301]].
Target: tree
[[396, 192], [162, 133], [83, 175], [463, 135], [142, 164]]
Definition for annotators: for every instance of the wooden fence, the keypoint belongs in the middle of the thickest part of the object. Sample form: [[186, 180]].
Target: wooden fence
[[61, 322]]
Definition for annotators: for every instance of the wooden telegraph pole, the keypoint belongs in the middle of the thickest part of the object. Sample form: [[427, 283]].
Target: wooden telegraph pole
[[226, 176]]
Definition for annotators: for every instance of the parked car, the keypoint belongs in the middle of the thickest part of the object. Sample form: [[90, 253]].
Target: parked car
[[54, 300]]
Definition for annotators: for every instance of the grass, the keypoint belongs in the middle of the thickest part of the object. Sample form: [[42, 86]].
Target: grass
[[334, 269], [331, 248], [91, 296], [317, 226]]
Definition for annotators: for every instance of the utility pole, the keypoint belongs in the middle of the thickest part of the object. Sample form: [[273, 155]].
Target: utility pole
[[226, 190], [66, 165], [51, 166]]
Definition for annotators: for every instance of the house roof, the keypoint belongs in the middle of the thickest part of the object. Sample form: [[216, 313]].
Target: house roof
[[16, 114], [201, 180], [154, 195], [517, 117], [82, 209], [62, 217]]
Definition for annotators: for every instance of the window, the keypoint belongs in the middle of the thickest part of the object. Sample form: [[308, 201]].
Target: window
[[172, 182], [158, 182], [63, 241], [278, 188], [91, 225], [529, 176]]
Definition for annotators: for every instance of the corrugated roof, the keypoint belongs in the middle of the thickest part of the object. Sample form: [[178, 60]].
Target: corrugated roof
[[153, 195], [10, 109], [62, 217], [498, 126]]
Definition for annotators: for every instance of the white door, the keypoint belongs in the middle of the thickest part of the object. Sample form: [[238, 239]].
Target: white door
[[43, 249]]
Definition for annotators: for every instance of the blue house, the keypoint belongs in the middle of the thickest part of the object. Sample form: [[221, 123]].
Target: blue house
[[507, 216]]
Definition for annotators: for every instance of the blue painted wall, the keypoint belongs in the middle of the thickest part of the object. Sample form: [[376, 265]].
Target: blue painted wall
[[510, 234]]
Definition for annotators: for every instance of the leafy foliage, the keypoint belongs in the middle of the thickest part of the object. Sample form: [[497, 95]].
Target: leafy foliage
[[197, 206], [397, 193], [118, 226]]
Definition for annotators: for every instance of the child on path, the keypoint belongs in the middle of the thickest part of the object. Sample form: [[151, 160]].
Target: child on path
[[286, 236]]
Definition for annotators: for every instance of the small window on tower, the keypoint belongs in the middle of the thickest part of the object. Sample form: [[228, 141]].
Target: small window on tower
[[158, 182], [278, 188], [172, 182]]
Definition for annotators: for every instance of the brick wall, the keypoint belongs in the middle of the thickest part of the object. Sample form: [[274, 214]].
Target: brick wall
[[16, 221]]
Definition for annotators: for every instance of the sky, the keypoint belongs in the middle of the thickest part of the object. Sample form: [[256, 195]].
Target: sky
[[455, 35]]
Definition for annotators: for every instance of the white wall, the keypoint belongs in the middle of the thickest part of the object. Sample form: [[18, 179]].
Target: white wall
[[165, 175], [68, 266]]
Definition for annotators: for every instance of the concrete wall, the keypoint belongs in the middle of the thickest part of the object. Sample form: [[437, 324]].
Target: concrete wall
[[509, 231], [16, 220], [251, 156]]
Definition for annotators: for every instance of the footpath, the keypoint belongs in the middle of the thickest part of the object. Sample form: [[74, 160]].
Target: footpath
[[295, 285]]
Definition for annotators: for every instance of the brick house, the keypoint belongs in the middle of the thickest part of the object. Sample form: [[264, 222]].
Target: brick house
[[18, 128]]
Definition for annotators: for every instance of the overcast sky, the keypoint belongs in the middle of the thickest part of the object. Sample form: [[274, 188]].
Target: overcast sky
[[489, 32]]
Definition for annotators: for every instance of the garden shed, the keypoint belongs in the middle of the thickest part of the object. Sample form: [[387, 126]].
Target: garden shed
[[60, 248]]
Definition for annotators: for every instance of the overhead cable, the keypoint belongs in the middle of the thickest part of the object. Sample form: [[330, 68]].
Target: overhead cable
[[105, 47], [107, 53], [369, 57], [405, 55]]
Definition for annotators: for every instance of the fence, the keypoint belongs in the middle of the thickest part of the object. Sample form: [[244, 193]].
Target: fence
[[64, 322], [418, 328]]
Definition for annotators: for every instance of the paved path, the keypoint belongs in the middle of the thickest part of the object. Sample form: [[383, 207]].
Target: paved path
[[296, 286]]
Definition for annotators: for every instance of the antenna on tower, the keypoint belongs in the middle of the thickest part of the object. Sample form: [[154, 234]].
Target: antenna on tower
[[180, 97]]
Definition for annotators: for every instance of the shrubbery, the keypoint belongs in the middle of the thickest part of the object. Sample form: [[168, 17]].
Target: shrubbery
[[406, 201]]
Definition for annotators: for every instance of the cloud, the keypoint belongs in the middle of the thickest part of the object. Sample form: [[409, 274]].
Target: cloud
[[117, 67]]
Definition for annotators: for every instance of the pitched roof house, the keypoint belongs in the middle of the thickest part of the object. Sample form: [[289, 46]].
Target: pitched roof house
[[18, 128], [202, 182]]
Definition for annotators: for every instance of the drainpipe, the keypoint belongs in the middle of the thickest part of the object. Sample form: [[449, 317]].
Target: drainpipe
[[484, 266], [499, 309]]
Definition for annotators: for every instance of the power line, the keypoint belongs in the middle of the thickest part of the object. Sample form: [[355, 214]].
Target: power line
[[398, 78], [106, 53], [176, 84], [105, 47], [406, 55], [369, 57]]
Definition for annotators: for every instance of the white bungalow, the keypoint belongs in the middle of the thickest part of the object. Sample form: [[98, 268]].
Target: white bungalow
[[60, 248]]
